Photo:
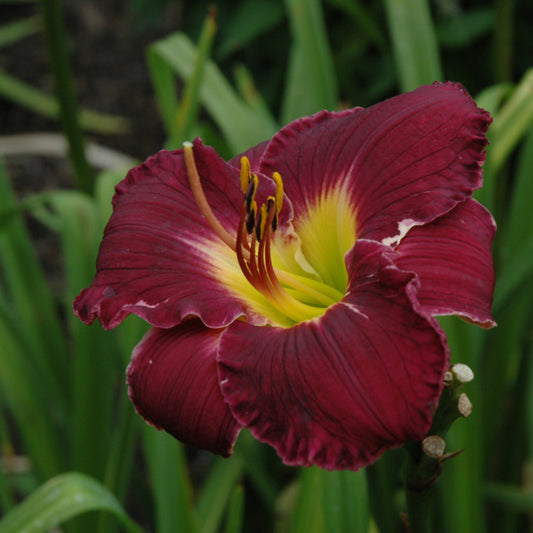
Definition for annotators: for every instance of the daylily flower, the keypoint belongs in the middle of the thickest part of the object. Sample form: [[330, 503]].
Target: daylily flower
[[292, 290]]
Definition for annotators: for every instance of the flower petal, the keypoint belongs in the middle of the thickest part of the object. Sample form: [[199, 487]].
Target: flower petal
[[253, 154], [339, 390], [155, 259], [401, 162], [173, 384], [453, 261]]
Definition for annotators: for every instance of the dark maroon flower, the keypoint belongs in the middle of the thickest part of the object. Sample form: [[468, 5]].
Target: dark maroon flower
[[293, 291]]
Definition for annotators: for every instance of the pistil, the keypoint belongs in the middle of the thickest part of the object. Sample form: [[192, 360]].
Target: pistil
[[201, 200]]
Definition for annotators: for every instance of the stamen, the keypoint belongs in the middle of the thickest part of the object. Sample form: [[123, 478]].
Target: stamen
[[254, 253], [248, 273]]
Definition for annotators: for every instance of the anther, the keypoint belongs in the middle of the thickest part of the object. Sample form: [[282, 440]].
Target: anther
[[246, 174], [250, 191], [272, 208], [279, 191], [261, 223]]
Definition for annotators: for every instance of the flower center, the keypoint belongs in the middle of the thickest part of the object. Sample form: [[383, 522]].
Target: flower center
[[295, 296]]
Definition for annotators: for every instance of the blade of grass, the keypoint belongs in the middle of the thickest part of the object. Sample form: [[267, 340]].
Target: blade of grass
[[60, 499], [170, 483], [235, 513], [32, 304], [414, 43], [492, 97], [510, 495], [249, 21], [509, 126], [57, 45], [503, 40], [311, 80], [514, 436], [381, 480], [224, 476], [29, 407], [365, 21], [241, 125], [256, 468], [120, 457], [514, 273], [14, 31], [501, 361], [27, 96], [54, 145], [94, 367], [308, 513], [517, 227], [190, 102], [345, 499], [249, 92], [7, 499]]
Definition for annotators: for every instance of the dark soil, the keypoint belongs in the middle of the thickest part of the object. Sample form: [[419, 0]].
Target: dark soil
[[107, 48]]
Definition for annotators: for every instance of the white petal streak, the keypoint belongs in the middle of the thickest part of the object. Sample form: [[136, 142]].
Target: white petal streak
[[403, 227]]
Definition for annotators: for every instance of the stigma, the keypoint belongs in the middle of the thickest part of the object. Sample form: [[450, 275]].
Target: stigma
[[253, 241]]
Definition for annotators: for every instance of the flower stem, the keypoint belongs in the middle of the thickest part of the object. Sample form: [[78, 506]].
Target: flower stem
[[420, 478], [424, 459]]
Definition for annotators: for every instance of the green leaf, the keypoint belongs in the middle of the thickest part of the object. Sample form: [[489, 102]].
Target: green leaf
[[311, 80], [382, 480], [14, 31], [509, 126], [171, 486], [491, 98], [511, 496], [414, 43], [248, 22], [24, 396], [242, 125], [308, 513], [346, 506], [464, 27], [235, 517], [95, 367], [61, 498], [517, 228], [214, 496], [33, 305], [514, 273], [27, 96], [366, 23], [190, 101]]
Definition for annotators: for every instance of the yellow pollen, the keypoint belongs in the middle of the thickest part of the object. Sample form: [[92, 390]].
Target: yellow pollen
[[279, 191], [246, 175]]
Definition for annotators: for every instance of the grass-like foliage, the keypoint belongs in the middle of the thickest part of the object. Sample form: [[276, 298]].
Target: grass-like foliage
[[70, 441]]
